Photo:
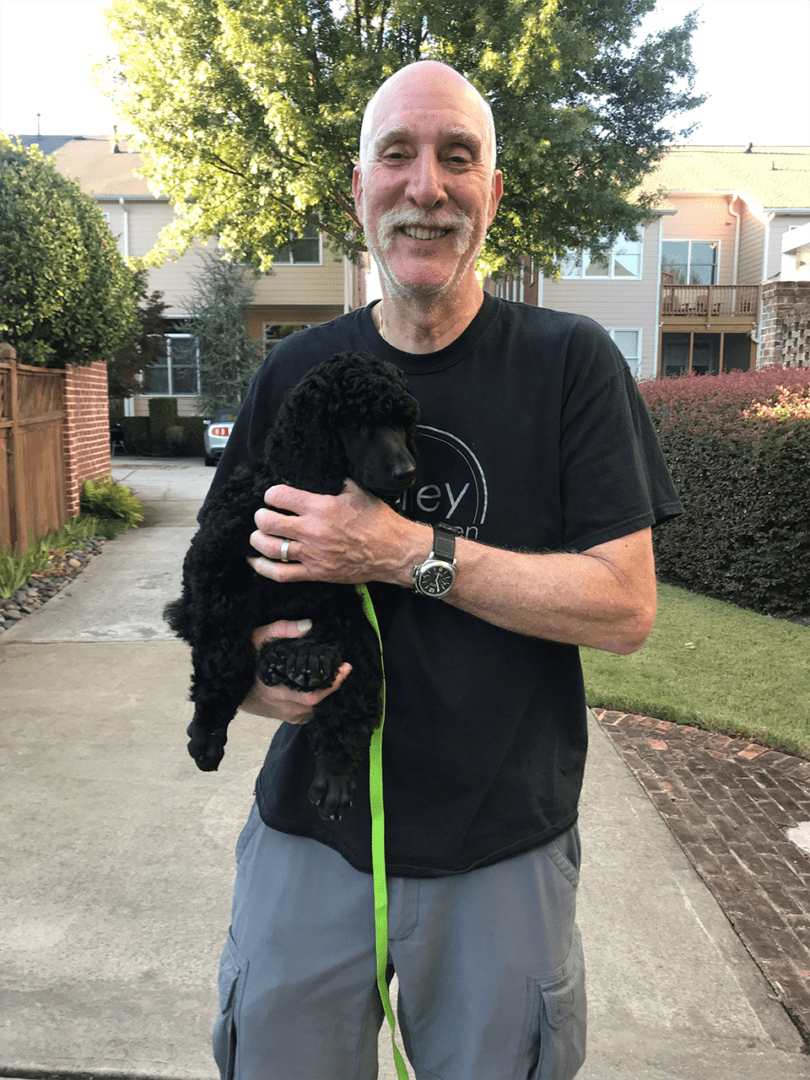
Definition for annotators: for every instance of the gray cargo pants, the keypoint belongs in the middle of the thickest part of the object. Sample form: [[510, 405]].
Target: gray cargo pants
[[489, 963]]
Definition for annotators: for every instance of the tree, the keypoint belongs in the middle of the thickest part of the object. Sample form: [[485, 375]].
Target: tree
[[228, 355], [125, 367], [66, 294], [248, 114]]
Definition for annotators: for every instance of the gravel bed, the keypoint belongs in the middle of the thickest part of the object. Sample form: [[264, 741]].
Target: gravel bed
[[39, 588]]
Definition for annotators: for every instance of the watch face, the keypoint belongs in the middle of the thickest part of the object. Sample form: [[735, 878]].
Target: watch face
[[436, 579]]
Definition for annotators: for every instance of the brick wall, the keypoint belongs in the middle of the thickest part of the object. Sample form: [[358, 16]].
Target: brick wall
[[87, 431], [785, 329]]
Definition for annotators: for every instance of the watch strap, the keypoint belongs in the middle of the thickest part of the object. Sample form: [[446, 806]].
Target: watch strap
[[444, 542]]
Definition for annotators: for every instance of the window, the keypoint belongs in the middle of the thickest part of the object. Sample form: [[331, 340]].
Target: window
[[690, 262], [628, 343], [624, 261], [704, 354], [177, 373], [303, 249], [273, 333]]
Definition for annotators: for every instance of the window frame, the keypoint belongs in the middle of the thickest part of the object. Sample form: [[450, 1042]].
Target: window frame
[[634, 363], [584, 261], [290, 249], [716, 268], [171, 335]]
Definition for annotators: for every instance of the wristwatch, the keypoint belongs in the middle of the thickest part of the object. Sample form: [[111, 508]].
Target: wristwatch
[[437, 574]]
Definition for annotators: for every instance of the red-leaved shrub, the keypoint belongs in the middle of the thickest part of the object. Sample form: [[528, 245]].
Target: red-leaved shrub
[[738, 448]]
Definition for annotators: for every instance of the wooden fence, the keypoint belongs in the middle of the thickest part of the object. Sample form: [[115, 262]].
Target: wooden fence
[[32, 456]]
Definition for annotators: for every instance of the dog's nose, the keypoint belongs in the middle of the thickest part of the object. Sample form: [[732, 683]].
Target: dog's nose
[[404, 471]]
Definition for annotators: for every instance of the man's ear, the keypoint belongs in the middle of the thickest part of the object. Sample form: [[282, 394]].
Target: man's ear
[[357, 191], [495, 194]]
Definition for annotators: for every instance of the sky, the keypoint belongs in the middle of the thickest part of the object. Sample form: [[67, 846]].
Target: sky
[[752, 58]]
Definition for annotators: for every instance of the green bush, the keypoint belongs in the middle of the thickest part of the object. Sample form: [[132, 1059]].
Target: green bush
[[112, 503], [66, 293], [162, 414], [738, 448]]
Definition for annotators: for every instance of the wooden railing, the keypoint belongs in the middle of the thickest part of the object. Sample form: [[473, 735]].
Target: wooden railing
[[713, 301]]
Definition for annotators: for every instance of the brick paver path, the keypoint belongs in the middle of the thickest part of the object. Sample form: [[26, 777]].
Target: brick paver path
[[731, 805]]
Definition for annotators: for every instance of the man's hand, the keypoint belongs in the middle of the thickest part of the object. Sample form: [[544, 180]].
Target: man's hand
[[349, 538], [281, 702]]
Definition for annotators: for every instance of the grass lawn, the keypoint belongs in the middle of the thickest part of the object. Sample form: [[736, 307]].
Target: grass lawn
[[714, 665]]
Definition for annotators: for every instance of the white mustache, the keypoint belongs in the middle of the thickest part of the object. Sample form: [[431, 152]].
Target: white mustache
[[459, 224]]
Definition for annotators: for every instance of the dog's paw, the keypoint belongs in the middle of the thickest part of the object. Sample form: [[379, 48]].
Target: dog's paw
[[206, 747], [298, 663], [331, 794]]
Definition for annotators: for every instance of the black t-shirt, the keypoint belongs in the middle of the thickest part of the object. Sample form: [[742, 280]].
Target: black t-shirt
[[533, 436]]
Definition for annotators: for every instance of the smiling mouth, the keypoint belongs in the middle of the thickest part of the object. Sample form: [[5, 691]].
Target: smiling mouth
[[417, 232]]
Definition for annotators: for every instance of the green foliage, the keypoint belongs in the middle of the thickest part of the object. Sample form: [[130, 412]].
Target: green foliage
[[743, 475], [17, 568], [248, 114], [228, 355], [715, 665], [112, 503], [147, 347], [66, 294], [162, 414]]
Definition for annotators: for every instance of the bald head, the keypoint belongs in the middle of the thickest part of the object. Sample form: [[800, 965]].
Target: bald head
[[419, 71]]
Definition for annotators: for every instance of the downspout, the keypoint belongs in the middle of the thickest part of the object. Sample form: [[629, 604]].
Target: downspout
[[129, 402], [657, 368], [732, 199], [125, 212]]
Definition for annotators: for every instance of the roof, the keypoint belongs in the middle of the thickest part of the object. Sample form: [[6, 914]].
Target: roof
[[777, 177], [47, 143], [100, 169]]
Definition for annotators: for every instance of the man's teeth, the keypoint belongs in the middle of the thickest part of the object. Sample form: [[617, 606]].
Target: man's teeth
[[416, 232]]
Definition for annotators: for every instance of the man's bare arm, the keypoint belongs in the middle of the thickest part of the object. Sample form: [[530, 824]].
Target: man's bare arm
[[604, 598]]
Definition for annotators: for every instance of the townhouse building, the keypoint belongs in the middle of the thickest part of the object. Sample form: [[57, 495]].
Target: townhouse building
[[308, 285], [686, 292]]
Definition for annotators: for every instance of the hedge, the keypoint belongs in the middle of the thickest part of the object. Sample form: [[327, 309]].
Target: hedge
[[738, 448]]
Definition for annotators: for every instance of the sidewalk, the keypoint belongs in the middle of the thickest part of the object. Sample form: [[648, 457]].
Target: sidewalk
[[118, 857]]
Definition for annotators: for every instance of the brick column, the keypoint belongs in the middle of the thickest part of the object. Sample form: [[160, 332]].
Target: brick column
[[87, 429], [785, 329]]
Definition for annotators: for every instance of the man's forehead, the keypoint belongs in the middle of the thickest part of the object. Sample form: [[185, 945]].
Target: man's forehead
[[433, 90]]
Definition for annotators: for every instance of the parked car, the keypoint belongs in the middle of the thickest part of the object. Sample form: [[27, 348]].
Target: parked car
[[217, 432]]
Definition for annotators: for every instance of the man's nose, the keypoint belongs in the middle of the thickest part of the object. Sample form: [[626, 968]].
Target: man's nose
[[425, 186]]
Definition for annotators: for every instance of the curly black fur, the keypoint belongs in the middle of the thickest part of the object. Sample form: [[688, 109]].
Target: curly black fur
[[349, 416]]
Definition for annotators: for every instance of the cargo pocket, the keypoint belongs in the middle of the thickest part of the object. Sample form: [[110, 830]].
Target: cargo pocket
[[232, 972], [558, 1010]]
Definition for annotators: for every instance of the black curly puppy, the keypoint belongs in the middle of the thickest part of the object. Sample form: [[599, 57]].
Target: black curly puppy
[[351, 416]]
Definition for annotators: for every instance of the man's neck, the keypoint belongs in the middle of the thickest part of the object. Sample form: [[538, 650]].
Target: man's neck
[[426, 325]]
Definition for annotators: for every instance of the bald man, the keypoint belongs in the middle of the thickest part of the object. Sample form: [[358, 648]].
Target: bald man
[[540, 480]]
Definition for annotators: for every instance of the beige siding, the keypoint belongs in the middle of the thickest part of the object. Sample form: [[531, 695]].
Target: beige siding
[[617, 304], [705, 217], [303, 284], [312, 286], [751, 248]]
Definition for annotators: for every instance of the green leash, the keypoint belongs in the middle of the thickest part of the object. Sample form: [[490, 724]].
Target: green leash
[[378, 848]]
